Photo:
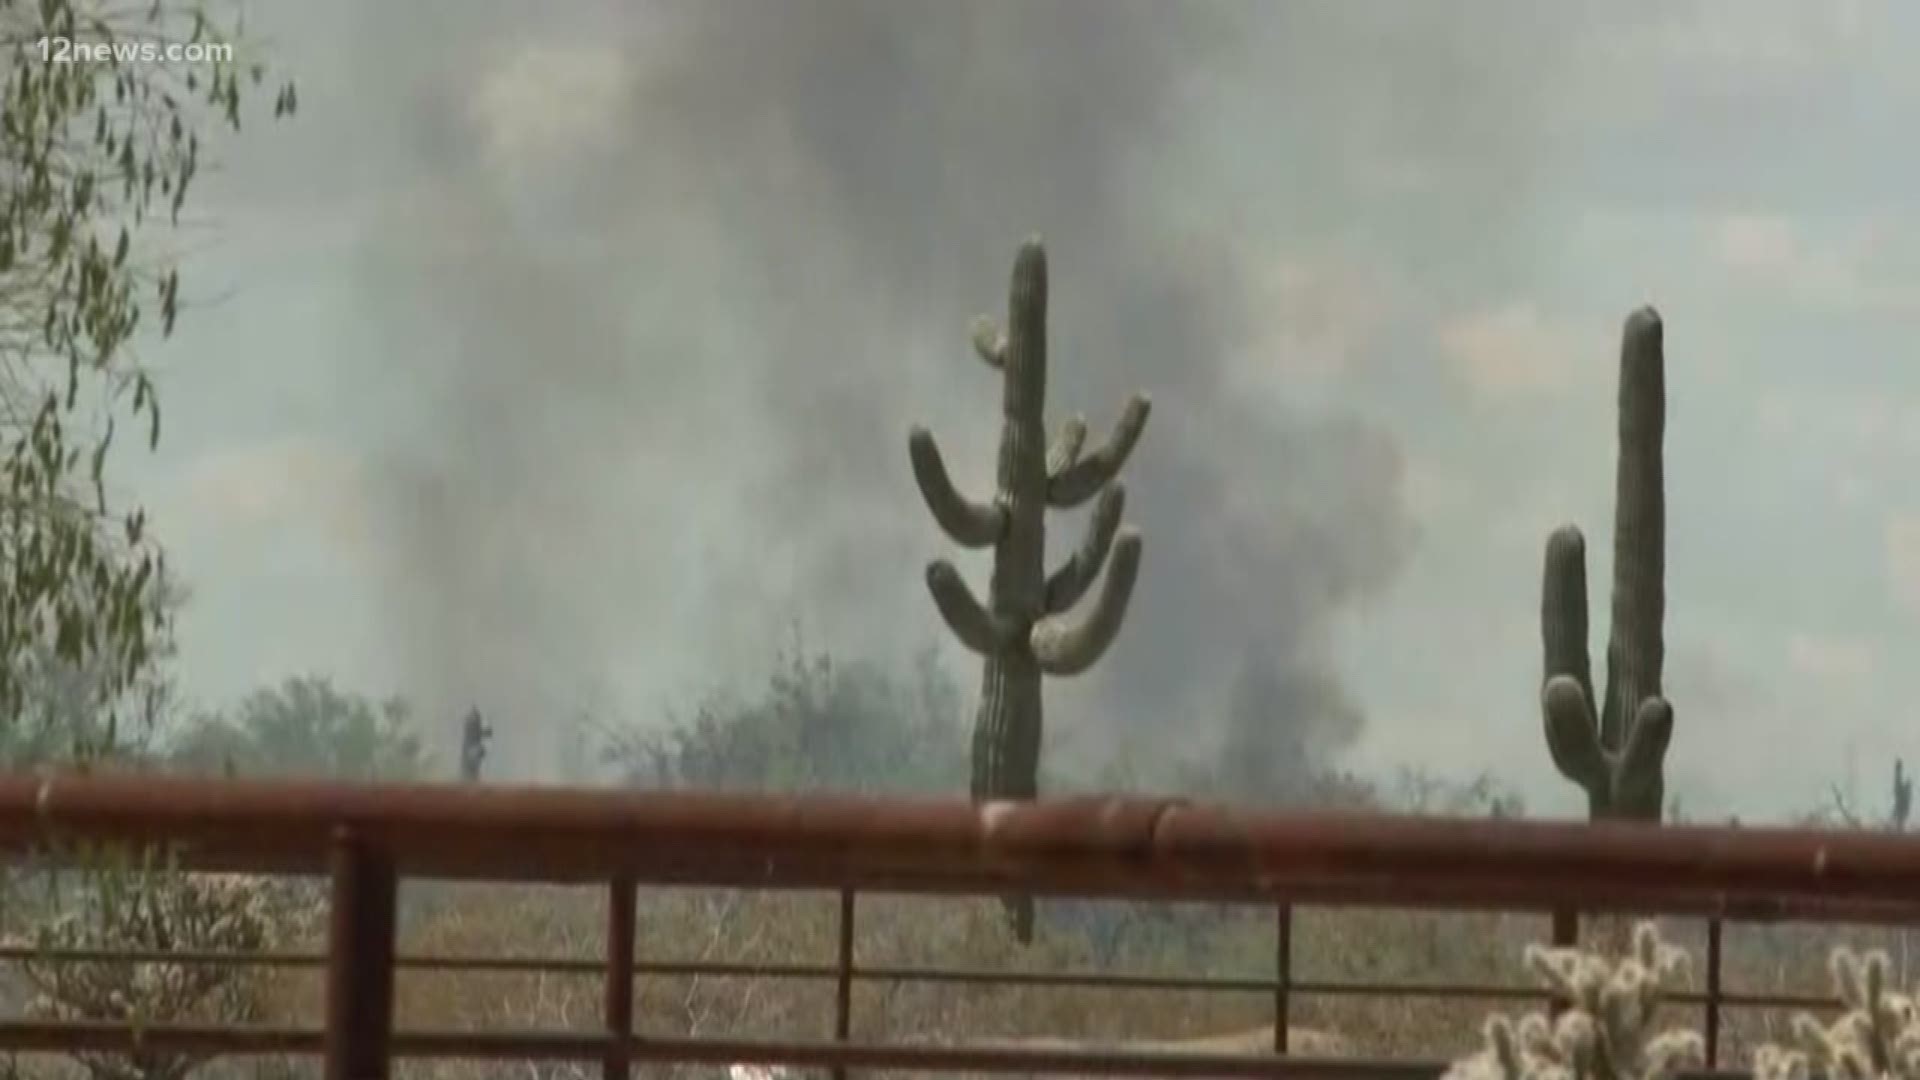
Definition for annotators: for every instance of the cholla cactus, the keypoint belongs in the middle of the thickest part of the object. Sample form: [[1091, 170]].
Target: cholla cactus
[[1605, 1032], [1877, 1038]]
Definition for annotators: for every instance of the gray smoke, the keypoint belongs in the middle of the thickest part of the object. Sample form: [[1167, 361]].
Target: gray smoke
[[662, 376]]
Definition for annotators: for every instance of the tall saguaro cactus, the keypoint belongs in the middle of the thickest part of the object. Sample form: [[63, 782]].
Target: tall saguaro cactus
[[1022, 631], [1617, 751]]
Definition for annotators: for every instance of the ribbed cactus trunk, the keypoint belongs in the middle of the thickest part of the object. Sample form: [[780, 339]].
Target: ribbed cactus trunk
[[1616, 752], [1007, 728], [1020, 632]]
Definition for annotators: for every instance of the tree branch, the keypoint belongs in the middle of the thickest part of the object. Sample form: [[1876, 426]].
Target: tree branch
[[989, 342]]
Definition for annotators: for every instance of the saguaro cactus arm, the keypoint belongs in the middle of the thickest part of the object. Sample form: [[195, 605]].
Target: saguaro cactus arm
[[1566, 700], [1638, 783], [964, 615], [1573, 736], [1065, 449], [1069, 648], [1080, 481], [1563, 609], [968, 523], [1068, 584], [989, 341]]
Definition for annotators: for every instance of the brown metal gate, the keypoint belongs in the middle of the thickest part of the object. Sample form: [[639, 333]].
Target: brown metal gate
[[366, 838]]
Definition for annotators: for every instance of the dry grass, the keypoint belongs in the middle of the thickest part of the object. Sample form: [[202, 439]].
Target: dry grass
[[1331, 946]]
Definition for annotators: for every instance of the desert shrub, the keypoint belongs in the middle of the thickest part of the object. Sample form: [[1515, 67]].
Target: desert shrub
[[816, 725], [148, 906], [108, 899], [303, 727]]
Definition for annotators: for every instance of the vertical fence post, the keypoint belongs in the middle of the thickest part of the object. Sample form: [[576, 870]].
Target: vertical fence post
[[843, 988], [1713, 992], [1283, 976], [1566, 934], [1566, 928], [618, 1063], [359, 960]]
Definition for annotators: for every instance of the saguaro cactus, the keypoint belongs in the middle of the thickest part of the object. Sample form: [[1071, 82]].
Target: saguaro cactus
[[1616, 752], [1021, 632]]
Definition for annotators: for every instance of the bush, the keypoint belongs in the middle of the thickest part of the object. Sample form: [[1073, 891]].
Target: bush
[[817, 725], [152, 907], [303, 727]]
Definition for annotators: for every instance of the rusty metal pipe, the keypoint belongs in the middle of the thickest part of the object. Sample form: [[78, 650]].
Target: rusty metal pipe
[[1108, 847]]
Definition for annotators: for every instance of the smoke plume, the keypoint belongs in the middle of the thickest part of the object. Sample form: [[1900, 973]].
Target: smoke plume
[[671, 280]]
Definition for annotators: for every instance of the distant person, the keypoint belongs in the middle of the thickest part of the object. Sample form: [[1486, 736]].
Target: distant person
[[473, 745]]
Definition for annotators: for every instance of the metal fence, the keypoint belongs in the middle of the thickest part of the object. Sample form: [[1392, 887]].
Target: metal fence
[[366, 838]]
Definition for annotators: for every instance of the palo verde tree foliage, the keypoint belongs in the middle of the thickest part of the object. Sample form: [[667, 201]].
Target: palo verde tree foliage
[[103, 117], [98, 150]]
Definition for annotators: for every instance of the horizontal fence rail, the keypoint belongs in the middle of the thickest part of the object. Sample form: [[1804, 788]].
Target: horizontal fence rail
[[365, 838], [881, 973]]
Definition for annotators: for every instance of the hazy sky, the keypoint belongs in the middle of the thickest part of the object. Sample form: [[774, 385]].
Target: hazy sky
[[562, 355]]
